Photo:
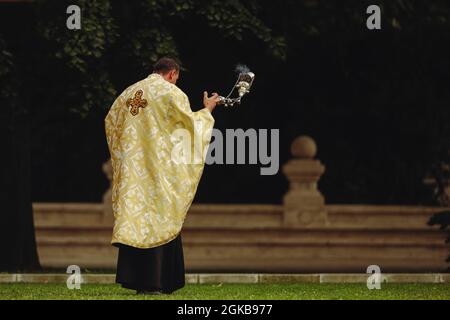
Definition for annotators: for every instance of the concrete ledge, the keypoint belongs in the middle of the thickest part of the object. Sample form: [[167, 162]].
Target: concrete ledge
[[251, 278], [343, 278], [445, 278], [191, 278], [413, 278], [41, 278], [98, 278], [228, 278], [289, 278], [387, 278], [8, 278]]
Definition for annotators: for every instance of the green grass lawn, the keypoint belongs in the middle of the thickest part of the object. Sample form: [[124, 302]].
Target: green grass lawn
[[233, 291]]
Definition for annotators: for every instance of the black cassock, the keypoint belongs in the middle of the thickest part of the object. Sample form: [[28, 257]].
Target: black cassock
[[155, 269]]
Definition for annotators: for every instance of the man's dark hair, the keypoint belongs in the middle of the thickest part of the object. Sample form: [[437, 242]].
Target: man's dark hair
[[164, 65]]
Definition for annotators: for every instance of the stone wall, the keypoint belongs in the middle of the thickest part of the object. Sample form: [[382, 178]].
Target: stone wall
[[253, 238], [303, 234]]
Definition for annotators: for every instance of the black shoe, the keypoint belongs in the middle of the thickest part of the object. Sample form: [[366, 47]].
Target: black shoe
[[147, 292]]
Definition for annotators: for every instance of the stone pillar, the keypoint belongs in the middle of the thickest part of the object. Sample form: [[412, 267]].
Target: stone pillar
[[304, 205], [107, 196]]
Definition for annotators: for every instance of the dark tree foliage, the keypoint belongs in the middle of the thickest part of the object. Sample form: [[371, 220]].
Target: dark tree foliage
[[17, 240], [375, 101]]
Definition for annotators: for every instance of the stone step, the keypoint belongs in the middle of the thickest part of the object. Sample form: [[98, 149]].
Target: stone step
[[62, 236], [74, 215], [69, 215], [304, 258], [381, 217]]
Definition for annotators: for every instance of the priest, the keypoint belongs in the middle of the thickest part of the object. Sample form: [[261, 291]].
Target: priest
[[153, 186]]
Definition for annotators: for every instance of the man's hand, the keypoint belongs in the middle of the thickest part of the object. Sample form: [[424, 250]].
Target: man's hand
[[210, 102]]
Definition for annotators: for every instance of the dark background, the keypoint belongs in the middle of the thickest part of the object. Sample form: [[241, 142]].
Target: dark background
[[376, 102]]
